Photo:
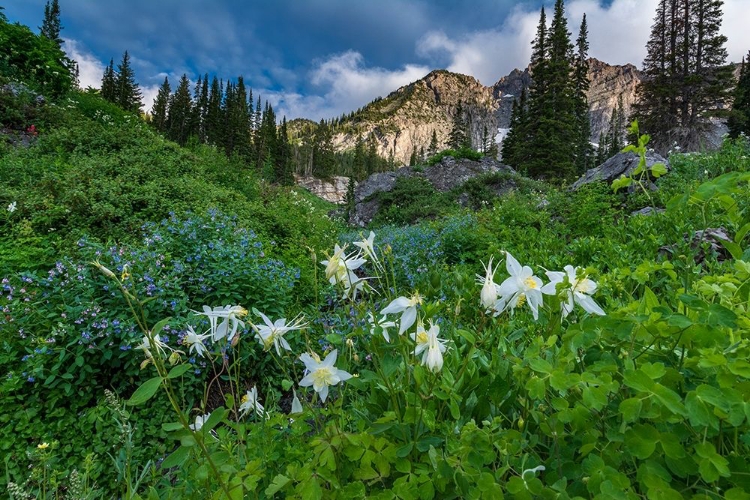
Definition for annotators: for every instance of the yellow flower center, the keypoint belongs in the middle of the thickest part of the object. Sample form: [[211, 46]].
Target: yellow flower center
[[521, 300], [422, 337], [245, 399], [582, 286], [322, 376], [530, 283]]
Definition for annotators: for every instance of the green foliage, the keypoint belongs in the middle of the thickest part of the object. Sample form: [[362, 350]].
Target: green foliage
[[33, 59], [464, 152], [411, 199]]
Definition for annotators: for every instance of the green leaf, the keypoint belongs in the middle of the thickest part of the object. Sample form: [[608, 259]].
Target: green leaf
[[156, 331], [145, 392], [286, 384], [277, 484], [177, 458], [631, 409], [536, 388], [470, 338], [171, 426], [621, 182], [658, 169], [179, 370], [641, 441], [540, 365]]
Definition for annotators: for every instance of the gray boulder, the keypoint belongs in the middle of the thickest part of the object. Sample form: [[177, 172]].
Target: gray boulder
[[443, 176], [613, 168]]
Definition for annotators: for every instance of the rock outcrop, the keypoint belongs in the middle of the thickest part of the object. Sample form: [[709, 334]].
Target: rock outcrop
[[448, 174], [613, 168], [333, 190]]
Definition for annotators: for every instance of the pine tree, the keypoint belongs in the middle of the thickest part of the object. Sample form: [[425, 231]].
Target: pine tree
[[432, 149], [413, 157], [459, 137], [283, 161], [160, 109], [109, 83], [685, 80], [180, 111], [323, 154], [214, 125], [583, 146], [51, 26], [128, 93], [739, 120]]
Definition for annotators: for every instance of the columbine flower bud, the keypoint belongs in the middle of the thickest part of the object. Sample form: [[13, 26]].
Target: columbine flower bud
[[104, 270]]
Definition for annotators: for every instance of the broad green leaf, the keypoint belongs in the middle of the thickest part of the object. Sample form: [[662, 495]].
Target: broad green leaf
[[179, 370], [658, 169], [630, 409], [540, 365], [145, 392], [641, 441], [621, 182], [176, 458], [536, 388]]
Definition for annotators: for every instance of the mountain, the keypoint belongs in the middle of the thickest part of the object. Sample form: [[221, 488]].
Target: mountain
[[406, 118]]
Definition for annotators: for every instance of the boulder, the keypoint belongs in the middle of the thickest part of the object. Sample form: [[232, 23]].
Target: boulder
[[705, 241], [613, 168]]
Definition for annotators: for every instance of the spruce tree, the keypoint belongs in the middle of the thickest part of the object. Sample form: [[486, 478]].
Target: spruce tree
[[432, 149], [128, 93], [685, 80], [51, 26], [458, 137], [180, 111], [583, 148], [283, 160], [739, 120], [214, 127], [160, 109], [323, 155], [109, 83]]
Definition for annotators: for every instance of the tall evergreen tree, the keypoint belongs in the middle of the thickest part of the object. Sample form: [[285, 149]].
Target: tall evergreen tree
[[432, 149], [109, 83], [214, 125], [323, 154], [685, 80], [739, 120], [283, 160], [459, 137], [160, 109], [180, 111], [51, 26], [583, 148], [128, 93]]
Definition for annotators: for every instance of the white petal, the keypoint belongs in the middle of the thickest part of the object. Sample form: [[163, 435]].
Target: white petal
[[296, 405], [588, 304], [512, 265], [307, 381], [396, 306], [407, 319], [331, 358], [323, 393]]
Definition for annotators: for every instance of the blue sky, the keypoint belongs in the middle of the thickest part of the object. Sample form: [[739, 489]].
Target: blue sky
[[320, 58]]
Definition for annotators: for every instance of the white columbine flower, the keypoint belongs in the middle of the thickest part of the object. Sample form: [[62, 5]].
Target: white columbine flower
[[12, 207], [231, 316], [339, 267], [488, 295], [272, 333], [580, 291], [146, 346], [199, 421], [382, 323], [250, 403], [195, 341], [367, 246], [407, 308], [429, 346], [320, 375], [521, 286]]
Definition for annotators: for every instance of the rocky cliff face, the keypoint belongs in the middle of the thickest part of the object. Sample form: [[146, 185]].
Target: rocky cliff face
[[608, 84], [406, 119], [333, 190]]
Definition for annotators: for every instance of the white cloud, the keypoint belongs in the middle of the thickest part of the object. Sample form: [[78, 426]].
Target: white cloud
[[346, 84], [89, 67]]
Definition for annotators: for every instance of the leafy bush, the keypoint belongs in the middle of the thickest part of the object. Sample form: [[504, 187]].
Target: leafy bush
[[458, 154], [410, 200]]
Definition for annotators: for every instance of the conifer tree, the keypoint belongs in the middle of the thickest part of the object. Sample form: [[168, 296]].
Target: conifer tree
[[214, 126], [109, 83], [160, 109], [51, 26], [459, 137], [583, 147], [283, 160], [358, 161], [739, 120], [685, 80], [180, 111], [432, 149], [128, 93], [323, 154]]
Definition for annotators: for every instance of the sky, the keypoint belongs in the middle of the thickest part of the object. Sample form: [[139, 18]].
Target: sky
[[321, 58]]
